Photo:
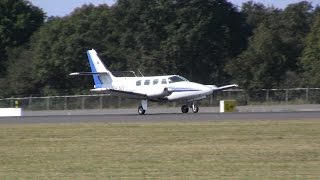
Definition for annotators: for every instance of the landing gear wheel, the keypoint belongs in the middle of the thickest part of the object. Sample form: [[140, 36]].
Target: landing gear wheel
[[141, 111], [194, 108], [184, 109]]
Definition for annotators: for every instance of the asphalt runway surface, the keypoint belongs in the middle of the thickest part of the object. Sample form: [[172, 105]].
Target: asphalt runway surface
[[161, 117]]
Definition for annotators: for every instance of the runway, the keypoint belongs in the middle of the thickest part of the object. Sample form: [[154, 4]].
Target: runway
[[160, 117]]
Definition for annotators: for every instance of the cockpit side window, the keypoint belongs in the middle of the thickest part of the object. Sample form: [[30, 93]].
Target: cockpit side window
[[164, 81], [174, 79], [138, 83]]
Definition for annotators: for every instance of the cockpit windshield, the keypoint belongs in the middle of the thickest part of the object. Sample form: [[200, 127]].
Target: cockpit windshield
[[175, 78]]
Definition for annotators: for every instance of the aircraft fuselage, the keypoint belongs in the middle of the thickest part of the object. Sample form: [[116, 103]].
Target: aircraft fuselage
[[159, 85]]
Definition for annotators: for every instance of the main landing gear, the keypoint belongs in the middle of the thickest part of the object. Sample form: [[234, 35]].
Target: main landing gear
[[141, 111], [143, 107], [185, 108]]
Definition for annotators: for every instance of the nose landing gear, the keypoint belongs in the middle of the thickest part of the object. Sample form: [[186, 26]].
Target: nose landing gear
[[194, 108]]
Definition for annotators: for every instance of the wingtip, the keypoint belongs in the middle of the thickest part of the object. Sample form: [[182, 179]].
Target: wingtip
[[74, 74]]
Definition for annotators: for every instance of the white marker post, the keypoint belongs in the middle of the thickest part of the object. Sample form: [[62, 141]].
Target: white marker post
[[228, 106], [7, 112]]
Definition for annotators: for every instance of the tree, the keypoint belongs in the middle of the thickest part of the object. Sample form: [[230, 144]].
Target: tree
[[262, 65], [286, 30], [140, 28], [193, 38], [19, 19], [255, 13], [19, 80], [294, 24], [204, 40], [59, 48], [311, 55], [203, 37]]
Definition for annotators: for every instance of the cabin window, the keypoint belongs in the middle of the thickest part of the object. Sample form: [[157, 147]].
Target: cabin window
[[147, 82], [138, 83], [164, 81], [155, 81]]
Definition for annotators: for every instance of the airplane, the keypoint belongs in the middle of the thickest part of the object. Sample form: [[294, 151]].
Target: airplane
[[166, 88]]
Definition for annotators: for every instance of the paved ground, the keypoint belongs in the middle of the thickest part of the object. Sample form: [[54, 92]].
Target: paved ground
[[273, 108], [162, 117], [280, 112]]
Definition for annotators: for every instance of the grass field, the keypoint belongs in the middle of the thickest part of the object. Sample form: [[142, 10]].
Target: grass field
[[169, 150]]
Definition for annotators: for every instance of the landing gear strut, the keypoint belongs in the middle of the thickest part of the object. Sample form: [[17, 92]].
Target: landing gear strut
[[185, 108], [194, 108], [143, 107]]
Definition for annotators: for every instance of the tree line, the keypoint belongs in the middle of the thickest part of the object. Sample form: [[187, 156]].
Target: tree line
[[206, 41]]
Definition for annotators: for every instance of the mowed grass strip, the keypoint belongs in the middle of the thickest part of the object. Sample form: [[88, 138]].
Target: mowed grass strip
[[169, 150]]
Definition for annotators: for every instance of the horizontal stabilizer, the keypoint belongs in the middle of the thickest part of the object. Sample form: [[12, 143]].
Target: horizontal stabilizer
[[228, 87], [215, 88], [86, 73]]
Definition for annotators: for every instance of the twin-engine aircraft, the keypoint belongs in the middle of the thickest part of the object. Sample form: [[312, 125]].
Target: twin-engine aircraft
[[167, 88]]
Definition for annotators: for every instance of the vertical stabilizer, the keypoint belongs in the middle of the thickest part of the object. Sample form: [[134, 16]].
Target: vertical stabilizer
[[102, 76]]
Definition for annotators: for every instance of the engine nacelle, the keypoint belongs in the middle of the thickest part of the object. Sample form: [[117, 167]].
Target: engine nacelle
[[159, 92]]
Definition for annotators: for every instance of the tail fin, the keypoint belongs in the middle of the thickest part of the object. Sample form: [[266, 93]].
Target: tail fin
[[101, 75]]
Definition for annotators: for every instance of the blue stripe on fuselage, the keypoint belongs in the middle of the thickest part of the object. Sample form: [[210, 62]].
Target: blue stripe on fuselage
[[185, 90]]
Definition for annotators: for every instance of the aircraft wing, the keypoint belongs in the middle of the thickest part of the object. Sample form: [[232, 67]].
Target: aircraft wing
[[126, 94], [216, 89]]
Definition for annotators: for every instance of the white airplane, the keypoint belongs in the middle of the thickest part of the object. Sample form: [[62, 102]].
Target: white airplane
[[153, 88]]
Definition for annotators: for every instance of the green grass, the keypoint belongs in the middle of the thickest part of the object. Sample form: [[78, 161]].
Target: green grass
[[169, 150]]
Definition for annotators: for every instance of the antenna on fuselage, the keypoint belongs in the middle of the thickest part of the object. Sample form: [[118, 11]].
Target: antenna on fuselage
[[140, 73], [134, 73]]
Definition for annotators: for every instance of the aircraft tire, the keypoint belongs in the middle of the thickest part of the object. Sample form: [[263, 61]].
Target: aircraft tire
[[195, 108], [184, 109], [141, 111]]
